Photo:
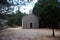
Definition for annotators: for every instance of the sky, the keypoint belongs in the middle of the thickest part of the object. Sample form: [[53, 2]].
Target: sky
[[23, 5], [58, 0]]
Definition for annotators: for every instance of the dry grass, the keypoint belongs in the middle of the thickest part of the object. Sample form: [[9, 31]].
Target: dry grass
[[28, 34]]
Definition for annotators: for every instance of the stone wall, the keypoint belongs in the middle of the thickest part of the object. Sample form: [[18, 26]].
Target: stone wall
[[30, 18]]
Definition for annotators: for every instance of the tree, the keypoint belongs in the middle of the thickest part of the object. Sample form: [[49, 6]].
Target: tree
[[19, 17], [15, 18], [47, 11], [4, 8]]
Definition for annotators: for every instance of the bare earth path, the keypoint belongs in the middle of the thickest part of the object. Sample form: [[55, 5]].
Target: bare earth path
[[28, 34]]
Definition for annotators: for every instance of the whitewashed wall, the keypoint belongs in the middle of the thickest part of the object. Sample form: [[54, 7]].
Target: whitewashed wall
[[30, 18]]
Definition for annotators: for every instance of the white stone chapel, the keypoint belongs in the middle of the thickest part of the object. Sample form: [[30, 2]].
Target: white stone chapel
[[30, 21]]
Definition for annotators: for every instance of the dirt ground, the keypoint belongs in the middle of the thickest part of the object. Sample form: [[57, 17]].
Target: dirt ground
[[28, 34]]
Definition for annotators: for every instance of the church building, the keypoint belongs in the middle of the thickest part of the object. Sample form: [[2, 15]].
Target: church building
[[30, 21]]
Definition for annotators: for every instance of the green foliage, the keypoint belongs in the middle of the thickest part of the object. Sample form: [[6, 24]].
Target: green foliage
[[4, 2], [48, 12], [2, 16], [4, 7], [15, 18]]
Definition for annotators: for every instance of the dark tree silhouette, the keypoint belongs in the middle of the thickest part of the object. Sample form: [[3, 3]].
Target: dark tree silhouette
[[48, 12]]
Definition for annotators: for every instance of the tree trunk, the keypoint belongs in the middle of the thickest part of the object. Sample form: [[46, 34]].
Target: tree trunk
[[53, 34]]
